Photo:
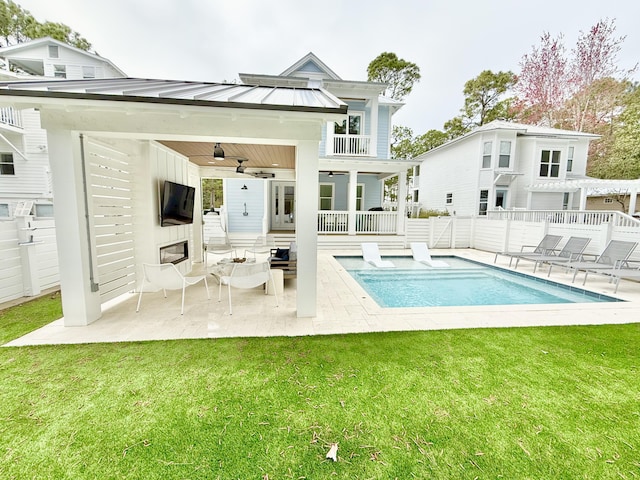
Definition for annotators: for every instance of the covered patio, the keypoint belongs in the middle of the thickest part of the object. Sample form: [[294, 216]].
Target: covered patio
[[342, 307], [108, 163]]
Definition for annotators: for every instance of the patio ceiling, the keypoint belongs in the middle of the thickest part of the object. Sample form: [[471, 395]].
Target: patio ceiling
[[258, 157]]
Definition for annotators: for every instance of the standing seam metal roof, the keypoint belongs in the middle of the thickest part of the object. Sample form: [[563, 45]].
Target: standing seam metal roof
[[182, 93]]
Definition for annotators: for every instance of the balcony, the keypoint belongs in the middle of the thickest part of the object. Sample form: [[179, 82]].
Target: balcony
[[11, 117], [352, 145]]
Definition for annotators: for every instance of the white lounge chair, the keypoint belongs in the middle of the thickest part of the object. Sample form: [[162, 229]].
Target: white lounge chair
[[421, 254], [371, 254], [617, 274], [572, 251]]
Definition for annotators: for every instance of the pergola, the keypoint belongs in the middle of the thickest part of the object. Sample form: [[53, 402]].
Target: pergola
[[584, 186]]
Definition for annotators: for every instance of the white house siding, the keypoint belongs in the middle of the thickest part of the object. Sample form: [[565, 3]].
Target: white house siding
[[372, 190], [437, 179], [546, 201], [384, 132]]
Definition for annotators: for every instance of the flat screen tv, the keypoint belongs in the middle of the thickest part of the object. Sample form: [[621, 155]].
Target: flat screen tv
[[177, 204]]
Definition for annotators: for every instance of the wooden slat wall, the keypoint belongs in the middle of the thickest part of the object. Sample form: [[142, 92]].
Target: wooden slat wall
[[110, 175]]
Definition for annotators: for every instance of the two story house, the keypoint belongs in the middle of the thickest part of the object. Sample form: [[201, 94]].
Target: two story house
[[503, 165], [24, 159], [354, 162]]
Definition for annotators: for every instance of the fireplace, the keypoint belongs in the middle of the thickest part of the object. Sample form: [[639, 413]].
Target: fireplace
[[174, 253]]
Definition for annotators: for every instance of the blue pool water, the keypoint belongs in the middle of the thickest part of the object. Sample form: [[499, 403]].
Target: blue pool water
[[465, 283]]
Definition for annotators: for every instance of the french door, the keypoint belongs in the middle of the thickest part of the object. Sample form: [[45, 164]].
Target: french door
[[283, 205]]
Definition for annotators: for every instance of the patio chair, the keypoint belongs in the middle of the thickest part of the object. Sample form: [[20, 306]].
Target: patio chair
[[219, 245], [616, 274], [246, 275], [166, 276], [421, 254], [615, 255], [545, 247], [263, 244], [571, 251], [371, 254]]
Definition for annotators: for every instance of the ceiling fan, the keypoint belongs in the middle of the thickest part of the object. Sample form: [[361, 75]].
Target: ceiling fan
[[219, 155]]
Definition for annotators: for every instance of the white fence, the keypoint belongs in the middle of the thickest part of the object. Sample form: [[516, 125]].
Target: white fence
[[33, 265], [337, 221], [28, 257]]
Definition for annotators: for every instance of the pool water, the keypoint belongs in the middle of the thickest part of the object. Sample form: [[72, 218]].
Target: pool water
[[465, 283]]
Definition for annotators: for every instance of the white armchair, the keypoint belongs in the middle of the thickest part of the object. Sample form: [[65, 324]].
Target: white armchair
[[246, 275], [166, 276]]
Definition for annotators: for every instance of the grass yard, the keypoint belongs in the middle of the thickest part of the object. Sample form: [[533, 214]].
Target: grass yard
[[526, 403]]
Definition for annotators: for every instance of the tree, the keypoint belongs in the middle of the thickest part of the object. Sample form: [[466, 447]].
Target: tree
[[543, 83], [624, 160], [400, 75], [18, 25]]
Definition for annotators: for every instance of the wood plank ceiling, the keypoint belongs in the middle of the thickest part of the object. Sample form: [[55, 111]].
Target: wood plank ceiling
[[256, 157]]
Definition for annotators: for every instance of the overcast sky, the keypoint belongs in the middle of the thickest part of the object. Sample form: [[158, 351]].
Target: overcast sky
[[451, 41]]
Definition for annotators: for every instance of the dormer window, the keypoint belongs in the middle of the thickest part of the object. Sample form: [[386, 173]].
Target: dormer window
[[53, 51]]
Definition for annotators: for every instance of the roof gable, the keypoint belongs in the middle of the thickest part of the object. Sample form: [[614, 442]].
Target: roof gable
[[310, 64], [44, 41]]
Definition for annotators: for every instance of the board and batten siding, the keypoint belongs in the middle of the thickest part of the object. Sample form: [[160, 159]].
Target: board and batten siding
[[253, 201]]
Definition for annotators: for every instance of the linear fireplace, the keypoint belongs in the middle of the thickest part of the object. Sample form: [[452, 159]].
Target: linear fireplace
[[174, 253]]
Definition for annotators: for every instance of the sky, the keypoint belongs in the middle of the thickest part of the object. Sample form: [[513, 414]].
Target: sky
[[451, 41]]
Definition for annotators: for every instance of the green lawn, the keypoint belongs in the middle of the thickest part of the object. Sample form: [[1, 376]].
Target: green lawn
[[538, 403]]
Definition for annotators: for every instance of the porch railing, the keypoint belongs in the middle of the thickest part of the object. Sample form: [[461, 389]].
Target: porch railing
[[583, 217], [337, 222], [10, 116], [356, 145]]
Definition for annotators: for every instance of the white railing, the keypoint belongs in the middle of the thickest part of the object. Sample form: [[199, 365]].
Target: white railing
[[10, 116], [583, 217], [356, 145], [330, 221]]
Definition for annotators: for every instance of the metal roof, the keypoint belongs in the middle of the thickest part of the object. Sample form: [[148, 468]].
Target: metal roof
[[182, 93]]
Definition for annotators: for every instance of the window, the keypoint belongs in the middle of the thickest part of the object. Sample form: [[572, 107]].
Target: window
[[484, 201], [4, 210], [88, 72], [53, 51], [505, 155], [6, 164], [326, 197], [608, 200], [486, 155], [550, 163], [355, 125], [565, 201], [60, 71], [569, 159], [449, 199], [416, 171], [44, 210], [359, 196]]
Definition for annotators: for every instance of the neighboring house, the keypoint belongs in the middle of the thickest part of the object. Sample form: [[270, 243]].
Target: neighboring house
[[503, 165], [24, 160], [612, 199]]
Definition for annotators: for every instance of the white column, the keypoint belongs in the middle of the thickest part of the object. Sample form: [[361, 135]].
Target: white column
[[632, 201], [352, 196], [80, 296], [583, 198], [402, 202], [307, 227]]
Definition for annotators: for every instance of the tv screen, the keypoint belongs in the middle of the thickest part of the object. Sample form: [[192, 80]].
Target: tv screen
[[177, 204]]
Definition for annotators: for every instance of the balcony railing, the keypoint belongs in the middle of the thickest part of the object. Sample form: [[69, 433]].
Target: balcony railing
[[355, 145], [337, 222], [10, 116]]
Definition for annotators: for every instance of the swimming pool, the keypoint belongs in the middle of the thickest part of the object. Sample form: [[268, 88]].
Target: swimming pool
[[465, 283]]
